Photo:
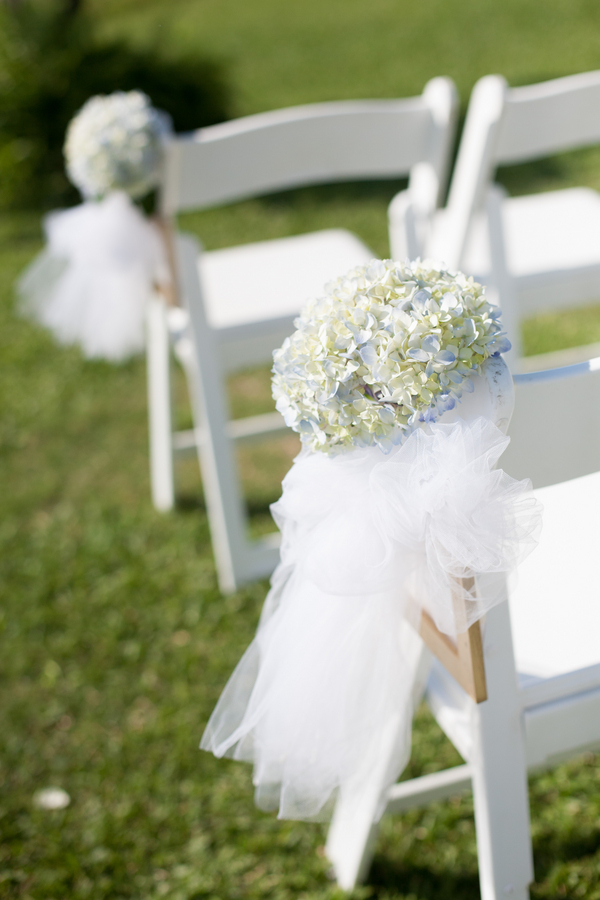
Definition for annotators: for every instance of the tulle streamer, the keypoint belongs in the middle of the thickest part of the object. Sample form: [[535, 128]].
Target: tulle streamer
[[91, 283], [368, 540]]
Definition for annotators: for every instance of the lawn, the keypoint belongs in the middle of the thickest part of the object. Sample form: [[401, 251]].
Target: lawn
[[115, 641]]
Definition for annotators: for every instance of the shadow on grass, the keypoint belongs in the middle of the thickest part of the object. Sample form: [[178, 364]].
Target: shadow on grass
[[190, 503], [261, 507], [553, 856], [51, 62], [387, 879], [551, 848]]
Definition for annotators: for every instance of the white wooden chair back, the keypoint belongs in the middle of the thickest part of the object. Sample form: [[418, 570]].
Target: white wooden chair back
[[555, 437], [513, 125], [564, 403], [304, 145]]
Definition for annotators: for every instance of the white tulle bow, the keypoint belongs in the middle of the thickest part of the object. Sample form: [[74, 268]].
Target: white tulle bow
[[91, 284], [367, 540]]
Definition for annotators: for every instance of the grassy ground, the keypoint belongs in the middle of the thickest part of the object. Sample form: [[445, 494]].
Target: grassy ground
[[115, 640]]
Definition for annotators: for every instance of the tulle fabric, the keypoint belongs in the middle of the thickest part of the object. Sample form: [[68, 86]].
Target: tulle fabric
[[368, 540], [315, 696], [91, 284]]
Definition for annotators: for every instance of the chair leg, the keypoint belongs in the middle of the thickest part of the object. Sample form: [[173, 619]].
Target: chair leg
[[500, 774], [503, 283], [162, 479], [222, 490], [355, 823]]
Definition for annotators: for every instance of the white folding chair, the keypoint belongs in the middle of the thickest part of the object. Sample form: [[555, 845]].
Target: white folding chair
[[242, 301], [541, 650], [551, 244]]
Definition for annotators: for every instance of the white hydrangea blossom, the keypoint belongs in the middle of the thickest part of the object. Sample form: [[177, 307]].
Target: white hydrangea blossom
[[389, 346], [114, 143]]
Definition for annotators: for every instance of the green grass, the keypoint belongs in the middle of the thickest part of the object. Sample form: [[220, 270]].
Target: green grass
[[296, 53], [115, 642]]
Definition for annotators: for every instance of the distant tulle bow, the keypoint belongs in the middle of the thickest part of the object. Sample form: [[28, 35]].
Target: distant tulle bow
[[91, 284]]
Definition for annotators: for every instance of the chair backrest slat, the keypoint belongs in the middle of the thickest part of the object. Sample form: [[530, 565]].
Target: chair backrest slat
[[565, 443], [303, 145], [547, 118], [510, 125]]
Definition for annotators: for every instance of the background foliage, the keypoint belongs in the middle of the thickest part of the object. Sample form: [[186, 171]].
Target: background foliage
[[51, 61], [114, 640]]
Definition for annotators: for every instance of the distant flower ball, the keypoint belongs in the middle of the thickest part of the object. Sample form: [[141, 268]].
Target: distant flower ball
[[389, 346], [114, 143]]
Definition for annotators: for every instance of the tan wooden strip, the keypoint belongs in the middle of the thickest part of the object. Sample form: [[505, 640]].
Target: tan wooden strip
[[169, 291], [470, 654], [463, 659]]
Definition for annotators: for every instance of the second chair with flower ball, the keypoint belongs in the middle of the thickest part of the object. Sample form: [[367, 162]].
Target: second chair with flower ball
[[91, 284], [239, 304]]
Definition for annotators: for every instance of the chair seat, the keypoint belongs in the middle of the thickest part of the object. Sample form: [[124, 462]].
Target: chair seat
[[254, 292], [552, 247], [271, 279], [551, 635]]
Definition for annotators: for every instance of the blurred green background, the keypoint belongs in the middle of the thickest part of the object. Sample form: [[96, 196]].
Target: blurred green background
[[115, 640]]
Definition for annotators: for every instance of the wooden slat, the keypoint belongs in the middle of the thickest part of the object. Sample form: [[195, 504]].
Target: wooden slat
[[287, 148], [169, 291], [463, 659]]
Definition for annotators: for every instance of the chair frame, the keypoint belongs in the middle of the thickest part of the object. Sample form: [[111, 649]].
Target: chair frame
[[506, 126], [520, 727], [498, 131], [412, 136]]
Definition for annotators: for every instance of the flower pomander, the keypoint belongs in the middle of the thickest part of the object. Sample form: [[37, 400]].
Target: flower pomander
[[114, 143], [391, 345]]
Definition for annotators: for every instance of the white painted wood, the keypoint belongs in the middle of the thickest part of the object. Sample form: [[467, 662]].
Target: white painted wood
[[429, 789], [491, 736], [441, 98], [221, 488], [538, 690], [353, 831], [354, 826], [551, 248], [159, 405], [541, 649], [546, 118], [503, 289], [557, 731], [408, 227], [323, 142], [551, 240], [237, 343], [499, 771], [355, 823], [410, 212], [252, 283], [254, 292], [284, 148], [473, 170], [250, 295], [547, 453]]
